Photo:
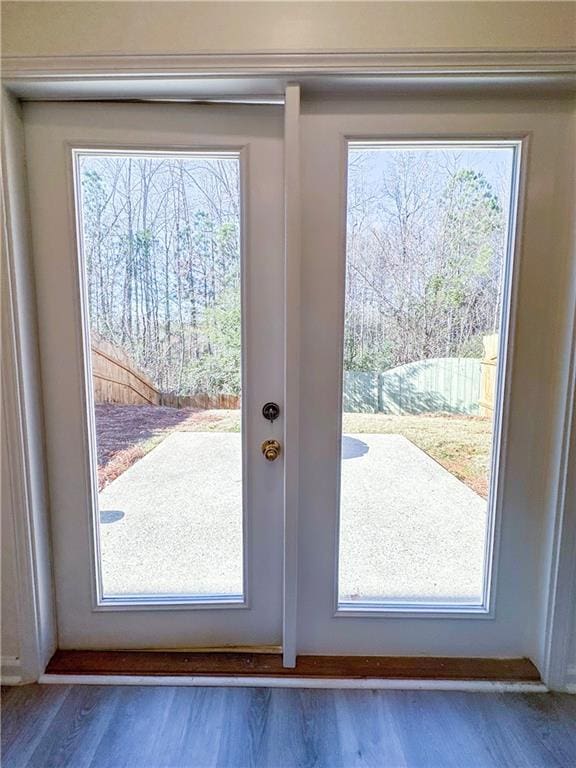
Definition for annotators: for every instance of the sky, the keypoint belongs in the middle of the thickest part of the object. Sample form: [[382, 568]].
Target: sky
[[496, 163]]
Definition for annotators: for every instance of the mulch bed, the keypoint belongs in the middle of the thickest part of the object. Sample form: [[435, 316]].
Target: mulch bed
[[126, 433]]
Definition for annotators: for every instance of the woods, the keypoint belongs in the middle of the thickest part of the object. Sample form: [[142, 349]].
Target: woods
[[162, 249], [426, 236], [425, 253]]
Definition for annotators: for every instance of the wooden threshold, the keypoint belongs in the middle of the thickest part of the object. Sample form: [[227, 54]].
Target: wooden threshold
[[175, 663]]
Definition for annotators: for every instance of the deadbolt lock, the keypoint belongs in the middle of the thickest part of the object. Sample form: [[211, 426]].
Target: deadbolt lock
[[271, 449]]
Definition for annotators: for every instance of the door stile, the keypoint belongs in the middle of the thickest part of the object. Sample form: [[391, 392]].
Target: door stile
[[292, 255]]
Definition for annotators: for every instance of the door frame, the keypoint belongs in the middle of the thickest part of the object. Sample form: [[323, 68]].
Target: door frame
[[261, 77]]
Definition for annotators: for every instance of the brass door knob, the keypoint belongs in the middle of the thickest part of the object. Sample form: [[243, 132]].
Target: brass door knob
[[271, 449]]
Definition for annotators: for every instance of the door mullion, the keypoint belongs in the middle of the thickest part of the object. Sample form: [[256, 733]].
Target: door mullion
[[292, 254]]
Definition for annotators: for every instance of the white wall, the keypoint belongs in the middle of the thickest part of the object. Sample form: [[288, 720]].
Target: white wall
[[56, 28], [10, 648], [84, 28]]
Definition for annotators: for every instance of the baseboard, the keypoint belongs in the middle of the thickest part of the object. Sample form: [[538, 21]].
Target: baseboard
[[10, 670]]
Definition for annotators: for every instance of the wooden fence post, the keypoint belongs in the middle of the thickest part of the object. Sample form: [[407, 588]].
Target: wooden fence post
[[488, 375]]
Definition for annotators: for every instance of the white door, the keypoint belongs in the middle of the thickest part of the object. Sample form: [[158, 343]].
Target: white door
[[416, 538], [158, 241]]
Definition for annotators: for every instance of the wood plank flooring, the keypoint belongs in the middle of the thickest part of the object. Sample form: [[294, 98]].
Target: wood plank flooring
[[44, 726], [270, 665]]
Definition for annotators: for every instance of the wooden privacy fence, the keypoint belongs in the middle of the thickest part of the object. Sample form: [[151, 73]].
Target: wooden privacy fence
[[116, 380], [205, 402]]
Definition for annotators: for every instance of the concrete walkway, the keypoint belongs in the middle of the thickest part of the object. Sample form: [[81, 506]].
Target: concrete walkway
[[171, 524]]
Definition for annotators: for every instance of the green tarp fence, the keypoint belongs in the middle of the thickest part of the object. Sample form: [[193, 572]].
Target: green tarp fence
[[440, 385]]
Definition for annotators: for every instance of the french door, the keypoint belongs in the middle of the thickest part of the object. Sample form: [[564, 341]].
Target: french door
[[419, 523], [158, 236], [160, 260]]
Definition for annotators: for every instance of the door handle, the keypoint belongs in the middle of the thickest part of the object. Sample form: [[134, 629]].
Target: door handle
[[271, 449]]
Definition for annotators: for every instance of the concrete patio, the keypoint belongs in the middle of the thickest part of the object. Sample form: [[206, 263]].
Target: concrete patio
[[409, 529], [171, 524]]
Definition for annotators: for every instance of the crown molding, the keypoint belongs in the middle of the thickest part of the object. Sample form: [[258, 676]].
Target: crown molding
[[263, 77], [439, 62]]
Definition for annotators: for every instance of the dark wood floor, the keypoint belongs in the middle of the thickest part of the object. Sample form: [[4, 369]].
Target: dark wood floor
[[180, 727]]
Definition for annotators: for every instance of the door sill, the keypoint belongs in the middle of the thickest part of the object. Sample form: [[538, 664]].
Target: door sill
[[267, 669]]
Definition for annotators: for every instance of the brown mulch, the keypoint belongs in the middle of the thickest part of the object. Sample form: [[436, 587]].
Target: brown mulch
[[126, 433]]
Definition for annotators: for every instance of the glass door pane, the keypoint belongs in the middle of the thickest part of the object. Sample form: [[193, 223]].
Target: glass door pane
[[428, 261], [160, 250]]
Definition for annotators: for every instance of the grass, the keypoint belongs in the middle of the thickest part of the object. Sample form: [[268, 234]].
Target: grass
[[461, 444]]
